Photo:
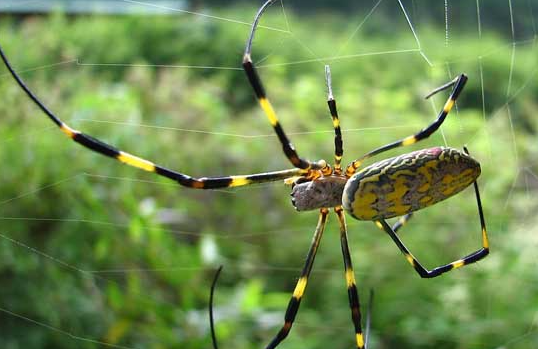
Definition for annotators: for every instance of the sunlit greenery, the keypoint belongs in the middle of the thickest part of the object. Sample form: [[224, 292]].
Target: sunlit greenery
[[106, 253]]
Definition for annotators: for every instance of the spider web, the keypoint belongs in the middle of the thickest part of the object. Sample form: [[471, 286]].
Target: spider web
[[141, 270]]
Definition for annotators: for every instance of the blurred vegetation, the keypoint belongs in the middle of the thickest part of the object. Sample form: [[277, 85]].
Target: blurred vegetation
[[461, 13], [106, 253]]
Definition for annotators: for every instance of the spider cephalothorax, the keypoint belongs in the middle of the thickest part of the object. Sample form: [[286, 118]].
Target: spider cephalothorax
[[388, 188], [325, 191]]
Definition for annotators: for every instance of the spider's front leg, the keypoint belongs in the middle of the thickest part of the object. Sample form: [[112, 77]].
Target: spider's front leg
[[338, 142], [108, 150], [259, 90]]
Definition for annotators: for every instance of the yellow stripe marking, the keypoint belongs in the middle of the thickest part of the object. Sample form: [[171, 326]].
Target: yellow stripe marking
[[350, 278], [291, 180], [458, 264], [448, 106], [336, 122], [410, 259], [68, 130], [485, 239], [269, 111], [409, 141], [135, 161], [360, 340], [299, 289], [239, 181], [379, 225]]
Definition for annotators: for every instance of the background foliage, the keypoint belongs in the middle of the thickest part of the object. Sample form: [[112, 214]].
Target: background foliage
[[105, 253]]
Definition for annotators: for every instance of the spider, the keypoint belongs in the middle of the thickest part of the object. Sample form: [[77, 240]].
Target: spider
[[394, 187]]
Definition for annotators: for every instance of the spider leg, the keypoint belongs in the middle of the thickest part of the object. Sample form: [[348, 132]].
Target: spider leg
[[259, 90], [300, 287], [103, 148], [338, 143], [400, 223], [353, 295], [211, 316], [458, 83], [471, 258]]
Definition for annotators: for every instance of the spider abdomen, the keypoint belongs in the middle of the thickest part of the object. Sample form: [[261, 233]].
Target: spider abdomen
[[409, 182], [321, 192]]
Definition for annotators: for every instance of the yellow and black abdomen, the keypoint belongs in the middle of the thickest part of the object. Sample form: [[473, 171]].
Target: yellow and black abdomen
[[409, 182]]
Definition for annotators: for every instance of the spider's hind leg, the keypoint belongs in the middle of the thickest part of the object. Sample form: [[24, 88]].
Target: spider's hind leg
[[399, 224], [470, 258]]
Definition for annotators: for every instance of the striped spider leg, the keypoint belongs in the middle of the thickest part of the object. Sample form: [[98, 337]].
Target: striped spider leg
[[458, 83], [103, 148], [300, 287], [351, 284], [353, 295], [212, 317], [259, 90], [338, 143]]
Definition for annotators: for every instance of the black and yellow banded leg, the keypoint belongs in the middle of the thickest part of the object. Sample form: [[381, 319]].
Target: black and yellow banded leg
[[259, 90], [458, 83], [103, 148], [300, 287], [399, 224], [353, 295], [471, 258], [338, 143]]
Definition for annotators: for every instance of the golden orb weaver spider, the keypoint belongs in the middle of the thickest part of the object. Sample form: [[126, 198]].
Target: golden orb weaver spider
[[394, 187]]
